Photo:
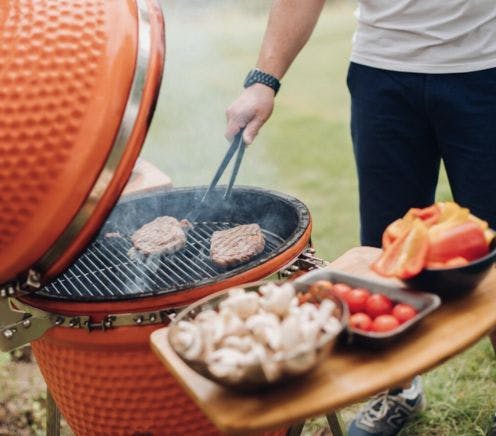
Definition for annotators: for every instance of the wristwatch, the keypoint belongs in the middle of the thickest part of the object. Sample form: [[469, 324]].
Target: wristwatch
[[258, 76]]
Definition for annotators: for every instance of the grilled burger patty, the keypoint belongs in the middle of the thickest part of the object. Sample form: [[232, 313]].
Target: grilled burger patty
[[236, 245], [164, 235]]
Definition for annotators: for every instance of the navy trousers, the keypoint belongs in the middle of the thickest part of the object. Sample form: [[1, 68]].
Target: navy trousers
[[403, 124]]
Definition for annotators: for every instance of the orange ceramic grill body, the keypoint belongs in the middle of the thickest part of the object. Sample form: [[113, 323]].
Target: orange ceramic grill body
[[74, 110], [120, 385], [110, 382]]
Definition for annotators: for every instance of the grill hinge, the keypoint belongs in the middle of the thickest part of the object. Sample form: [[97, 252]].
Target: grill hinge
[[30, 282], [21, 323], [306, 261], [134, 319]]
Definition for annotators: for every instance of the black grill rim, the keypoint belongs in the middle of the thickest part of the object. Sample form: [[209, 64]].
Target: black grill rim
[[299, 208]]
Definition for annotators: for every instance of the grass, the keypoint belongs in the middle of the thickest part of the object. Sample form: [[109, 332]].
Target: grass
[[304, 150]]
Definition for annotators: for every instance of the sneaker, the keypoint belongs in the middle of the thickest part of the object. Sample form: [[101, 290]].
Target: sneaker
[[492, 430], [386, 413]]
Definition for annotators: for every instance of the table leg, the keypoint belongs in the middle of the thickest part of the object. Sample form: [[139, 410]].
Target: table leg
[[336, 424], [492, 335], [296, 429], [53, 417]]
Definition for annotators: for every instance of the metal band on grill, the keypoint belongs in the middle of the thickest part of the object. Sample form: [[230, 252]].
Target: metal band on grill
[[119, 147]]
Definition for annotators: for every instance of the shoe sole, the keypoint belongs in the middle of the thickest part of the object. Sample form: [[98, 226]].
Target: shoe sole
[[423, 404]]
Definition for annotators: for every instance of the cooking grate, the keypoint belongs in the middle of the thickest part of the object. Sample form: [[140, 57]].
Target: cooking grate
[[105, 271]]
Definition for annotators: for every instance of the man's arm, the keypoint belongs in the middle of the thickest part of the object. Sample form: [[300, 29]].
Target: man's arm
[[291, 23]]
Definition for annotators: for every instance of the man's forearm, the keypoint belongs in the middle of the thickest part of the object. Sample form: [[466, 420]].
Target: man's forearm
[[291, 23]]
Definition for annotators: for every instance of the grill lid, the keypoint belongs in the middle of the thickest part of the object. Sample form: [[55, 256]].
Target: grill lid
[[80, 80]]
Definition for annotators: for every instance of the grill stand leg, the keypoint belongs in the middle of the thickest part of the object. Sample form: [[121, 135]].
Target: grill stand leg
[[52, 417], [334, 419], [336, 424], [296, 429], [492, 336]]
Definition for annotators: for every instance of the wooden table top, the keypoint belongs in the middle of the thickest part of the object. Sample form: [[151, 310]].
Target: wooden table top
[[146, 177], [349, 374]]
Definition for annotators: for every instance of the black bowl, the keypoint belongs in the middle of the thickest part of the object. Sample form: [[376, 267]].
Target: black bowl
[[450, 282]]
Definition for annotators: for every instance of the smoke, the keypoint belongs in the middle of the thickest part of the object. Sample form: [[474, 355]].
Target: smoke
[[211, 45]]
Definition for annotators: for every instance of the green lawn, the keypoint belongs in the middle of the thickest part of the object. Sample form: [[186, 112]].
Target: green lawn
[[304, 150]]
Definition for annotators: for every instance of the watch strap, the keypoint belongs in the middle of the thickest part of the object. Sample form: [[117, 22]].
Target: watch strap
[[258, 76]]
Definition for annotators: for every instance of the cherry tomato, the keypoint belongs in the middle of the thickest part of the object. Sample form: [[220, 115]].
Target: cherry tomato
[[321, 289], [403, 312], [384, 323], [361, 321], [378, 304], [341, 289], [356, 299]]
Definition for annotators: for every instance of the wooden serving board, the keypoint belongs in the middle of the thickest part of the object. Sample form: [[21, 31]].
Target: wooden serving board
[[349, 374]]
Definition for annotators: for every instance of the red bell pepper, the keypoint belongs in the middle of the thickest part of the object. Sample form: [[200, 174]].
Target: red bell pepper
[[429, 215], [406, 256], [396, 230], [465, 240], [452, 263], [440, 236]]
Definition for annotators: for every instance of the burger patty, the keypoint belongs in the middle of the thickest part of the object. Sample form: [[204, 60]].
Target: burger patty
[[236, 245], [164, 235]]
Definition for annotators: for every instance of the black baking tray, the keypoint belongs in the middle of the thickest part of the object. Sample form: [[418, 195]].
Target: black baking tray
[[423, 302]]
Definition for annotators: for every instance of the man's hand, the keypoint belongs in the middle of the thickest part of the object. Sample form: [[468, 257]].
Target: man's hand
[[250, 110], [291, 23]]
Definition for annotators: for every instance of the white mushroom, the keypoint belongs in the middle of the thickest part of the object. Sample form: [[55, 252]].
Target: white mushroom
[[332, 326], [187, 340], [260, 321], [211, 331], [252, 334], [310, 331], [226, 363], [291, 334], [272, 370], [206, 316], [232, 323], [325, 311], [244, 304], [265, 328], [244, 344], [256, 355], [307, 312], [301, 359], [277, 299]]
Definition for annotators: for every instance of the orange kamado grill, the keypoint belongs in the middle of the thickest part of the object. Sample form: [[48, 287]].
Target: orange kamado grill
[[78, 83]]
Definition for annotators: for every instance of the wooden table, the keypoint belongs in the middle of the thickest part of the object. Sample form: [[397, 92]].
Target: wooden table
[[146, 177], [349, 374]]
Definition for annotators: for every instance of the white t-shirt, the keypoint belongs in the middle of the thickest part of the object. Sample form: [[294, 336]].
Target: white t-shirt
[[426, 36]]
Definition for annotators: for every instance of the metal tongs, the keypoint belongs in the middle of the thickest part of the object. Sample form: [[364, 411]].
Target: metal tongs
[[238, 145]]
